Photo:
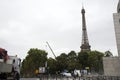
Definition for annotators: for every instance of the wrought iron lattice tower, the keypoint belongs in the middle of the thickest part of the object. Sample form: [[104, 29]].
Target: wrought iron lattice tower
[[85, 43]]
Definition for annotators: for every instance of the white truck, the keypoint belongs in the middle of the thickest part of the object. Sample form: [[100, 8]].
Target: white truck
[[9, 66]]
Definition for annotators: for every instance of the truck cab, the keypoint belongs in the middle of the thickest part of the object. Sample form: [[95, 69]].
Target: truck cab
[[9, 67]]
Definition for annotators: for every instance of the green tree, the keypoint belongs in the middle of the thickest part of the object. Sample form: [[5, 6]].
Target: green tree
[[108, 54], [52, 66], [36, 58], [95, 61], [92, 59], [62, 62], [83, 59], [73, 61]]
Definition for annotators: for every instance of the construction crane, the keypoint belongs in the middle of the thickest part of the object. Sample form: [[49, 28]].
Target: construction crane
[[51, 50]]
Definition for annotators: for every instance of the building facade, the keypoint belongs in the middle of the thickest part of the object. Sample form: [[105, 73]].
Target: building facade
[[111, 65], [116, 17], [118, 7]]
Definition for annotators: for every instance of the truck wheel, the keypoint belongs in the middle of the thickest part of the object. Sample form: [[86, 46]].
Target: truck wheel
[[17, 76], [3, 76]]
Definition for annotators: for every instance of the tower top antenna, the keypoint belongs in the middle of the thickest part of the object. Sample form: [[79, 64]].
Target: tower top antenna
[[82, 5]]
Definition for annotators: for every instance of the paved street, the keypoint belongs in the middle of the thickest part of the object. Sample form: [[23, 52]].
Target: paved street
[[63, 78], [49, 79], [29, 79]]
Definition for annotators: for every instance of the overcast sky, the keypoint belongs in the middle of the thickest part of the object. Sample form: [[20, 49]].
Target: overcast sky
[[26, 24]]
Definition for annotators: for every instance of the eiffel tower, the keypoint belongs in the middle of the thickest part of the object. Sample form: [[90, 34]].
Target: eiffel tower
[[85, 43]]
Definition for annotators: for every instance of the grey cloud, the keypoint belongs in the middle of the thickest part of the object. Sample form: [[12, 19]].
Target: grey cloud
[[30, 23]]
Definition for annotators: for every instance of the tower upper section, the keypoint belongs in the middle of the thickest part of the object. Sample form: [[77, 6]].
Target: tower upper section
[[83, 10], [85, 43]]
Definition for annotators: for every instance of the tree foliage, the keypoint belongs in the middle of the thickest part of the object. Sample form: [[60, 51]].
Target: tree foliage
[[92, 59], [96, 61], [62, 62], [36, 58], [108, 54], [52, 66], [83, 59], [73, 61]]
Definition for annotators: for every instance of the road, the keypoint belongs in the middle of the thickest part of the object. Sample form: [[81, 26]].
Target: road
[[29, 79], [49, 79], [65, 78]]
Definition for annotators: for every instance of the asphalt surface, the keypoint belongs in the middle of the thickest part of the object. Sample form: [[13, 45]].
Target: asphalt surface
[[49, 79], [29, 79]]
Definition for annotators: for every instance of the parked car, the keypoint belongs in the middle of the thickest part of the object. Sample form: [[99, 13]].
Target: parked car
[[67, 74]]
